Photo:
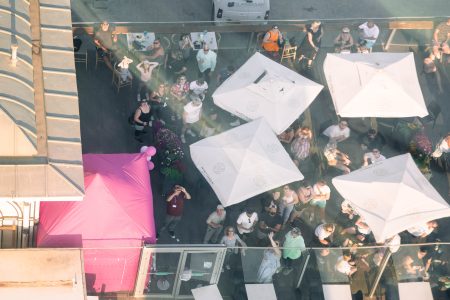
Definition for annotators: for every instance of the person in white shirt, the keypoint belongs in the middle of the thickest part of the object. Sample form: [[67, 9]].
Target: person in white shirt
[[215, 225], [372, 157], [321, 194], [324, 233], [206, 60], [368, 34], [442, 147], [338, 132], [191, 115], [337, 158], [423, 230], [199, 87], [343, 264], [246, 223]]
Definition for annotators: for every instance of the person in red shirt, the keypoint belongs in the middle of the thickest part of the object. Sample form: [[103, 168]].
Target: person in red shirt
[[174, 210]]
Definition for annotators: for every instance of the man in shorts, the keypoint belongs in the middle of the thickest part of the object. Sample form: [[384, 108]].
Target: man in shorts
[[321, 194], [104, 41]]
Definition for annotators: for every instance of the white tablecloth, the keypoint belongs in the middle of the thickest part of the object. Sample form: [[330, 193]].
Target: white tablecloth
[[209, 38], [142, 41]]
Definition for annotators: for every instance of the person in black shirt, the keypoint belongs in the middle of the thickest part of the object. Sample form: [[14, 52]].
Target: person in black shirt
[[141, 119], [271, 199], [269, 222], [175, 65], [372, 140]]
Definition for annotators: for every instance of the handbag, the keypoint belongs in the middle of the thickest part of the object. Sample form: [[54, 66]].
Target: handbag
[[131, 119]]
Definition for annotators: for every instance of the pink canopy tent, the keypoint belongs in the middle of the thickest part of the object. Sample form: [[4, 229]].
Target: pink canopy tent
[[110, 224]]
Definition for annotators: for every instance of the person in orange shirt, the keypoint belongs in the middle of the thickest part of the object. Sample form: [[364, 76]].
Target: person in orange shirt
[[272, 40]]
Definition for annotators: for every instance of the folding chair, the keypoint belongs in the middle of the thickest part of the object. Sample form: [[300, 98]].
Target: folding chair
[[289, 53], [80, 52]]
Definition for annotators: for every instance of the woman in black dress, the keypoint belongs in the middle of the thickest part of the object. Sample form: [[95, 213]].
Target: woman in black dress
[[141, 119], [311, 43]]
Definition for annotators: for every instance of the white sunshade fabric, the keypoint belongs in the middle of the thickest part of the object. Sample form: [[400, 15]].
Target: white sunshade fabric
[[383, 85], [243, 162], [264, 88], [415, 291], [392, 195], [209, 292]]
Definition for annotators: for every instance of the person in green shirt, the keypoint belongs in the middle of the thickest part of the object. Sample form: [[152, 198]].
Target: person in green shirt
[[293, 246]]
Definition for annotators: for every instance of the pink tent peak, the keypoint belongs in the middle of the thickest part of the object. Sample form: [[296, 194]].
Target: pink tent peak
[[110, 224]]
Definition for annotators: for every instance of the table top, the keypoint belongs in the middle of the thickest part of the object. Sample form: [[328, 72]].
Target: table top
[[209, 38], [139, 41]]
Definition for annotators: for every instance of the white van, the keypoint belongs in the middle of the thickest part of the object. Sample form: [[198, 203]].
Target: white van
[[240, 10]]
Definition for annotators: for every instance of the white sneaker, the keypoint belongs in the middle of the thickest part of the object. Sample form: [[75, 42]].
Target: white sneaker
[[235, 123], [183, 139], [191, 133]]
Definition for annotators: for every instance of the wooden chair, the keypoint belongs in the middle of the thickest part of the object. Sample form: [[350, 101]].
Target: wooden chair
[[99, 59], [165, 43], [174, 39], [81, 57], [117, 80], [289, 53]]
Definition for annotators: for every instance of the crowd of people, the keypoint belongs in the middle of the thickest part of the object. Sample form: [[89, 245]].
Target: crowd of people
[[182, 106]]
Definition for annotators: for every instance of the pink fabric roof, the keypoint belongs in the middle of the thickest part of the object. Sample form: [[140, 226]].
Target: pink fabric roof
[[117, 212]]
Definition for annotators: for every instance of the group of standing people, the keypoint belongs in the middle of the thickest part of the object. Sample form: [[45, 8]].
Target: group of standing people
[[177, 102], [274, 41], [169, 97]]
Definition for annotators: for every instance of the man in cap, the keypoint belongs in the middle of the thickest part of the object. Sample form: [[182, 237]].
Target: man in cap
[[344, 41], [215, 225], [293, 246]]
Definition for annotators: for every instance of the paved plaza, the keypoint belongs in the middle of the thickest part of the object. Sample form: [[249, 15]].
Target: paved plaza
[[105, 129]]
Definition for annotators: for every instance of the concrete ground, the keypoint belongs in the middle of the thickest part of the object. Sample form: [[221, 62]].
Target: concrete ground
[[200, 10], [104, 129]]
